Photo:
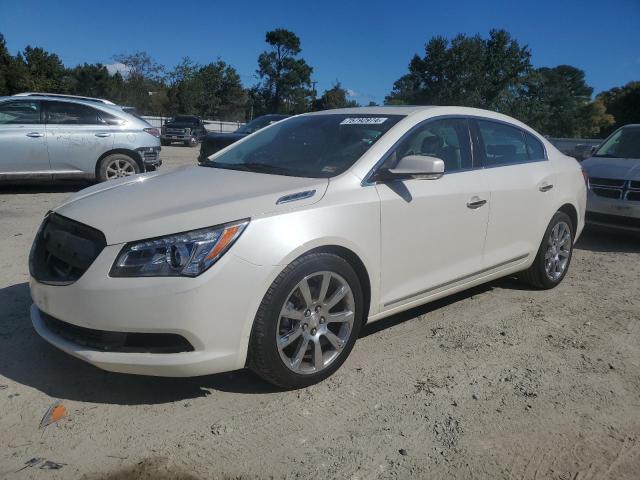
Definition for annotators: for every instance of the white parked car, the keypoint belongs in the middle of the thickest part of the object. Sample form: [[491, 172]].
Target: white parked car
[[277, 250]]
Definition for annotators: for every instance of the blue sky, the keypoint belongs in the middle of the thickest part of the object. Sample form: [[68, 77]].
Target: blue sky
[[364, 45]]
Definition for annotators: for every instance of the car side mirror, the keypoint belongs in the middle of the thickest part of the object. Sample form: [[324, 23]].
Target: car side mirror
[[419, 167]]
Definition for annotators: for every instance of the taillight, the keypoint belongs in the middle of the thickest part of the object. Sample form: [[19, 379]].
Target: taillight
[[585, 175], [153, 131]]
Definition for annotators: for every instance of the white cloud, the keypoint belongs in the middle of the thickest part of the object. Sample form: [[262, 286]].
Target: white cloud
[[117, 67], [351, 93]]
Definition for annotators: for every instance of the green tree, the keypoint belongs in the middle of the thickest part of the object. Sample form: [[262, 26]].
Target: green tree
[[623, 103], [335, 97], [144, 83], [94, 80], [285, 79], [6, 61], [212, 91], [557, 102], [45, 71], [470, 71]]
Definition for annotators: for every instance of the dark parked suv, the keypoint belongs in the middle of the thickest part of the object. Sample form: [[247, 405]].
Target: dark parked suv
[[187, 129], [217, 141]]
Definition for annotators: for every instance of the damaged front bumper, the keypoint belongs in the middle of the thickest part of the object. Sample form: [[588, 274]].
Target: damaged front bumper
[[150, 157]]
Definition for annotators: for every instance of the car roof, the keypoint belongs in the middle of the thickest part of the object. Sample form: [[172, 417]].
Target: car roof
[[55, 96], [107, 107]]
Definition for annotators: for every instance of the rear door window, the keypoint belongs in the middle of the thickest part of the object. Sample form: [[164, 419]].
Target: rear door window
[[502, 144], [63, 113], [535, 149], [20, 113]]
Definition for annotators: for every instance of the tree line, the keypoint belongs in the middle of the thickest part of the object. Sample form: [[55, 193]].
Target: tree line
[[493, 72]]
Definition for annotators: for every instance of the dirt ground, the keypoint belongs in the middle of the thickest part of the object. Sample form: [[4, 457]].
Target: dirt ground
[[497, 382]]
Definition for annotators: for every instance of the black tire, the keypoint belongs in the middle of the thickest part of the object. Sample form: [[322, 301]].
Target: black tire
[[104, 171], [165, 143], [192, 142], [536, 275], [264, 357]]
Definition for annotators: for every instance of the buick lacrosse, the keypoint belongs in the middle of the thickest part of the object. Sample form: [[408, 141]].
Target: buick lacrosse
[[274, 253]]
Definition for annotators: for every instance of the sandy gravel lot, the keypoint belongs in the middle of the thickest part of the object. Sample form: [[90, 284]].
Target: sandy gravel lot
[[498, 382]]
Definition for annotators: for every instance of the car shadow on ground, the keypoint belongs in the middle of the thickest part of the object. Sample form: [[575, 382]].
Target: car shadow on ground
[[29, 360], [606, 241], [29, 188]]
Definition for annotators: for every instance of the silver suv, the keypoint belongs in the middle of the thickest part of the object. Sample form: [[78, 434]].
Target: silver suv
[[46, 136]]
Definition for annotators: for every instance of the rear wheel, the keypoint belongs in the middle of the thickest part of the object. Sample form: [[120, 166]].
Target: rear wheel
[[117, 165], [308, 322], [554, 255]]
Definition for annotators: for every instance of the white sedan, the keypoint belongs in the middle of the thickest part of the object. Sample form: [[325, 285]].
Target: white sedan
[[274, 253]]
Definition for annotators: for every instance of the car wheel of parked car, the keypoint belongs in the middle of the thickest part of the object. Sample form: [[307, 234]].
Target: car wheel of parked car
[[192, 142], [307, 322], [165, 143], [117, 165], [554, 255]]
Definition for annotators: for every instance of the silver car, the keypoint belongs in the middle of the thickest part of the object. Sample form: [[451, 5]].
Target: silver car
[[613, 199], [46, 136]]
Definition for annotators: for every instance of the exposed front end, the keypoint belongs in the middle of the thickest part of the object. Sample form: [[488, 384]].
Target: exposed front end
[[166, 326], [614, 203]]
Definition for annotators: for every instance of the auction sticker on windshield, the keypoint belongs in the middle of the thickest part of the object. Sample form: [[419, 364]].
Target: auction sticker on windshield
[[364, 121]]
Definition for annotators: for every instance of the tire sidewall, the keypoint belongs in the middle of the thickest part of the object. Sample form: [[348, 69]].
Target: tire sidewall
[[271, 307], [102, 170], [540, 260]]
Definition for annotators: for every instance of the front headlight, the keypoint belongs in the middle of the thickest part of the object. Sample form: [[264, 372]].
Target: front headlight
[[185, 254]]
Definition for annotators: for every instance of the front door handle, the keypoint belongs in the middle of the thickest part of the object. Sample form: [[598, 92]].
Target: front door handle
[[545, 187], [475, 202], [103, 134], [35, 134]]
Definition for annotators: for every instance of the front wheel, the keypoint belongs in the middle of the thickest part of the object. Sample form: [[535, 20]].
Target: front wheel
[[307, 322], [554, 255]]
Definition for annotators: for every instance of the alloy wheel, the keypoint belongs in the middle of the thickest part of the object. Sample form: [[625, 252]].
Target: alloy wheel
[[119, 168], [558, 251], [315, 322]]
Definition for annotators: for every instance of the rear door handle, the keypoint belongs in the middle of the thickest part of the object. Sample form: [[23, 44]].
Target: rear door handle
[[35, 134], [545, 187], [475, 202], [103, 134]]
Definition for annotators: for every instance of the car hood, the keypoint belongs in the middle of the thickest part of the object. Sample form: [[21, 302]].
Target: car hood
[[162, 203], [616, 168]]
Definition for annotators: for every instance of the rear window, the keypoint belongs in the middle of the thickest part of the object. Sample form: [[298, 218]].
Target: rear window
[[110, 119], [63, 113]]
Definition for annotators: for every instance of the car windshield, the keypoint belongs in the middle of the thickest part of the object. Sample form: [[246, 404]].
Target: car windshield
[[258, 123], [318, 146], [625, 143]]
